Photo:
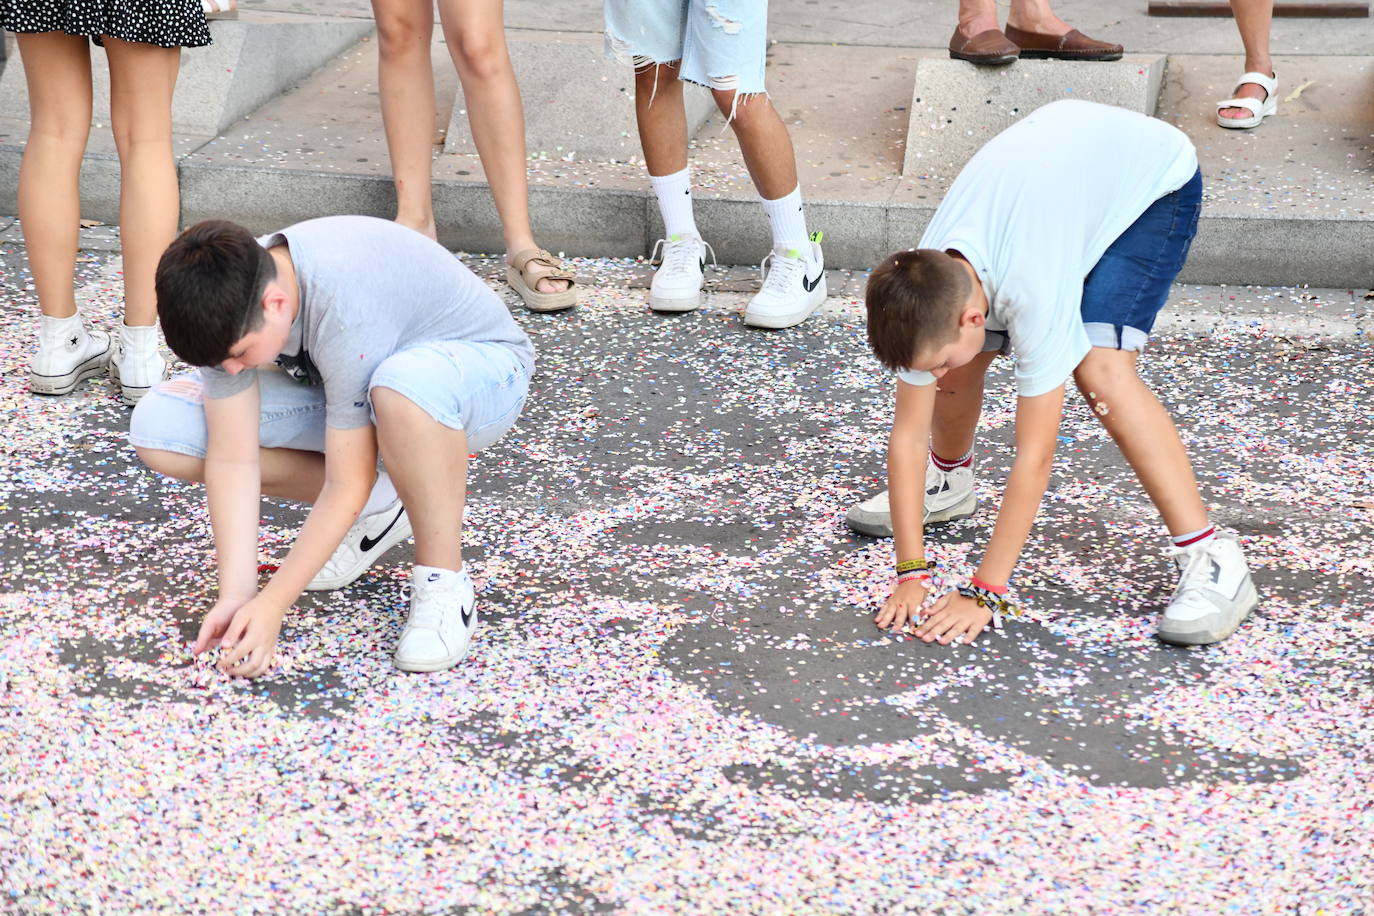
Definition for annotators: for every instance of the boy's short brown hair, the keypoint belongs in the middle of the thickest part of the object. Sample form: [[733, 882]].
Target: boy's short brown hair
[[209, 283], [913, 301]]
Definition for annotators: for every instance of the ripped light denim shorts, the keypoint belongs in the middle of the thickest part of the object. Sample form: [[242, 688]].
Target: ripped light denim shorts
[[721, 43], [476, 386]]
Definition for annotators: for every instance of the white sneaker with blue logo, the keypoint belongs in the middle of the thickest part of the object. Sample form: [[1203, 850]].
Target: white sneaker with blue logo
[[1214, 596], [793, 287], [443, 617]]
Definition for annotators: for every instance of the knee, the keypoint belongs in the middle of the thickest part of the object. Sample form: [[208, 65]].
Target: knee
[[170, 464], [1103, 373], [478, 56], [742, 110], [399, 34]]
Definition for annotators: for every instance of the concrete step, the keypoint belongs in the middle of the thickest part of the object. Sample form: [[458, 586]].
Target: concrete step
[[1289, 203]]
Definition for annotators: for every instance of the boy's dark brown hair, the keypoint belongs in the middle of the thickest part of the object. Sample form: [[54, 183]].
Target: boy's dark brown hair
[[209, 290], [913, 300]]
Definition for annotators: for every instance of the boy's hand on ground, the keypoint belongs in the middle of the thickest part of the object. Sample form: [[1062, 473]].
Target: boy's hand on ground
[[250, 641], [216, 621], [903, 606], [954, 617]]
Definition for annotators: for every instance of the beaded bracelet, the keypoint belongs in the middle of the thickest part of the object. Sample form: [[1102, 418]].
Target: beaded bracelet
[[994, 602]]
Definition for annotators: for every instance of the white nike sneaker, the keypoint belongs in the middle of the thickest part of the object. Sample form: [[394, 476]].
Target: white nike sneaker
[[676, 286], [369, 538], [1214, 596], [949, 497], [443, 617], [67, 354], [137, 364], [793, 287]]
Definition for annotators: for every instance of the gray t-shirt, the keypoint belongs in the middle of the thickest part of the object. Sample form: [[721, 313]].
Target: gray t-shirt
[[370, 288]]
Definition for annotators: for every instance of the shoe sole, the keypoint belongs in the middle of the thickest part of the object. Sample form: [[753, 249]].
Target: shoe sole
[[428, 667], [1210, 637], [1060, 55], [690, 304], [131, 395], [879, 525], [985, 61], [396, 535], [778, 322], [66, 384]]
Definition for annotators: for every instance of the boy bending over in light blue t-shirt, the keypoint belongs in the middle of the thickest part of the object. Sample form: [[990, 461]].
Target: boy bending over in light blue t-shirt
[[1075, 190], [321, 345]]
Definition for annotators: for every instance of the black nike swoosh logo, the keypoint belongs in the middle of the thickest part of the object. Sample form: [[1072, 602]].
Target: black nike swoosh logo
[[468, 614], [368, 543], [809, 285]]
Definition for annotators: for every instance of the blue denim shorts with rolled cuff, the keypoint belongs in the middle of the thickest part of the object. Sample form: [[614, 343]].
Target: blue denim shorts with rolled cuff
[[720, 43], [1129, 285], [477, 387]]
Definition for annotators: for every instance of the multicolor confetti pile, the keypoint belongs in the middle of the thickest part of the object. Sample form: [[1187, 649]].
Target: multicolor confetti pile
[[676, 702]]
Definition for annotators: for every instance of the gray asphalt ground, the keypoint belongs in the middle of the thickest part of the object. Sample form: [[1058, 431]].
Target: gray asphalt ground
[[677, 701]]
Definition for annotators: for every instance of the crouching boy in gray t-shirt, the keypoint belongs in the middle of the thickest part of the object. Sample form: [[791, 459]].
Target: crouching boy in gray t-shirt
[[320, 345]]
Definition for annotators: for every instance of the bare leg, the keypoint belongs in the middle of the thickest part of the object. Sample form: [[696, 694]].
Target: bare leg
[[1036, 16], [476, 36], [287, 473], [142, 78], [405, 80], [764, 141], [958, 404], [1145, 433], [661, 118], [1031, 15], [428, 463], [57, 67], [1253, 18]]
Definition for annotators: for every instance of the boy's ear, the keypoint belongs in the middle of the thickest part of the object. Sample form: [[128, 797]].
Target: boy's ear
[[972, 317], [274, 298]]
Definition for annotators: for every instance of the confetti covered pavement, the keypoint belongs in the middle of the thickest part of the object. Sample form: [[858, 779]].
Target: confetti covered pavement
[[676, 702]]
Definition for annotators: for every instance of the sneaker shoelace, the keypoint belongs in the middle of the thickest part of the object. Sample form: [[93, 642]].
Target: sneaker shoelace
[[681, 257], [429, 615], [780, 273], [1192, 567]]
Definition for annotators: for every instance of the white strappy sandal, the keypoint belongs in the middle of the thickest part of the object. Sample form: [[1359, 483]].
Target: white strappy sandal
[[1259, 108], [220, 9]]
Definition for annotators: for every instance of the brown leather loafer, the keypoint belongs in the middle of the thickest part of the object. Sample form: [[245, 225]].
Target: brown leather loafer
[[1072, 46], [988, 49]]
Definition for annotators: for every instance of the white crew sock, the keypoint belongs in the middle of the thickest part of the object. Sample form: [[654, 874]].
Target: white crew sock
[[1194, 538], [435, 573], [383, 494], [789, 223], [675, 202]]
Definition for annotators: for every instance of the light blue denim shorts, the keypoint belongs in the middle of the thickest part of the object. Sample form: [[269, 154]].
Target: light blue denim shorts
[[477, 387], [721, 43]]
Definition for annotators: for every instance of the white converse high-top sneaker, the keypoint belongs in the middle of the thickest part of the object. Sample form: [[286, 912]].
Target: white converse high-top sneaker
[[67, 354], [137, 364]]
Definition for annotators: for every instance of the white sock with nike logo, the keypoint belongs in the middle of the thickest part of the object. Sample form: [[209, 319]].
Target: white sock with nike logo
[[789, 223]]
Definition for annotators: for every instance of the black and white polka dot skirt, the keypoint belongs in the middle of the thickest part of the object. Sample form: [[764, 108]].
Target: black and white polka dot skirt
[[166, 23]]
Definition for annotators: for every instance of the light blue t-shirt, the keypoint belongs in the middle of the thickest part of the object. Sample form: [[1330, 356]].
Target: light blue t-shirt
[[1035, 210], [370, 288]]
